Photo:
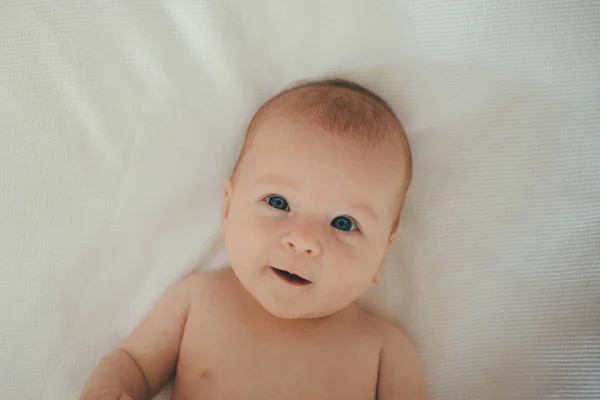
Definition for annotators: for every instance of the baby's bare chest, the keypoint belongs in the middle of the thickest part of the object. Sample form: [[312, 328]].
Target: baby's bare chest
[[236, 360]]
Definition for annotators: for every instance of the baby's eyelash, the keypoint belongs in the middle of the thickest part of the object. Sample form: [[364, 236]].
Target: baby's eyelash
[[277, 202], [341, 223]]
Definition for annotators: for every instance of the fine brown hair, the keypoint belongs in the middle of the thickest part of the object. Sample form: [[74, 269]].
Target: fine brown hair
[[341, 107]]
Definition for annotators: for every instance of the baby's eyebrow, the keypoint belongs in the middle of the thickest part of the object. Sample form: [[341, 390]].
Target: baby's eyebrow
[[276, 179], [366, 209]]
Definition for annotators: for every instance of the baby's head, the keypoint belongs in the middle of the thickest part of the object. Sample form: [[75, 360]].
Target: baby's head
[[314, 200]]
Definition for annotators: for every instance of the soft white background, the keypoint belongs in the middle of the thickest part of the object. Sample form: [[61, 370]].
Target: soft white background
[[119, 121]]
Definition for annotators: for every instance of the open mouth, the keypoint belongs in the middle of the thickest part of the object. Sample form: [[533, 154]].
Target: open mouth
[[290, 278]]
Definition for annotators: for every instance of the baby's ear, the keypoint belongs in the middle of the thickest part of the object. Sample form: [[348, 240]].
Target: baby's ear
[[377, 277], [393, 235], [227, 189]]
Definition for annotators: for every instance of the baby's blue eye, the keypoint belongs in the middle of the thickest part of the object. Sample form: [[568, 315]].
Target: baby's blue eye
[[344, 224], [278, 202]]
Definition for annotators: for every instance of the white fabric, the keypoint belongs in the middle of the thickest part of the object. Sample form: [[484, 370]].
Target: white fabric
[[119, 121]]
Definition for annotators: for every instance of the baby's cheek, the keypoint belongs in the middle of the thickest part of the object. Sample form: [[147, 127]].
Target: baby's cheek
[[345, 258], [259, 231], [355, 262], [240, 235]]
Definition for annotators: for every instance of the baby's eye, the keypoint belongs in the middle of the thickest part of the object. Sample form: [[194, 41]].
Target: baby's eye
[[278, 202], [344, 223]]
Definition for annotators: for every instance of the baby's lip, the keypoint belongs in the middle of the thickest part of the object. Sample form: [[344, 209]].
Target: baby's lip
[[290, 277]]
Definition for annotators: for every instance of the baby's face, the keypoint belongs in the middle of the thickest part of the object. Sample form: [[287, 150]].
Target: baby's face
[[309, 218]]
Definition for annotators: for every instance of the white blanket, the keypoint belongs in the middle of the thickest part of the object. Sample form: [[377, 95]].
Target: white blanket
[[119, 121]]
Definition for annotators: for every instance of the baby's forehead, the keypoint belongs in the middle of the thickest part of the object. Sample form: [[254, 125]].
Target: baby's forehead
[[294, 148], [341, 109]]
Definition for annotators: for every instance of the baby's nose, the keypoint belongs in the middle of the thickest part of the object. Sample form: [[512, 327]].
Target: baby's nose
[[301, 243]]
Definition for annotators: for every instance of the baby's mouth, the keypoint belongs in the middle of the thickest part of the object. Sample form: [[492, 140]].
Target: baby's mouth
[[290, 278]]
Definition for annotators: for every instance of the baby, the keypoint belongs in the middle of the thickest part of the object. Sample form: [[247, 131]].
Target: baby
[[308, 214]]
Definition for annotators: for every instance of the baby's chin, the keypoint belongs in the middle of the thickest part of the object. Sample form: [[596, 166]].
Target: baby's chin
[[295, 312]]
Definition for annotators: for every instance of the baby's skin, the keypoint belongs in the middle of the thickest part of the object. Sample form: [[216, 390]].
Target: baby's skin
[[308, 216]]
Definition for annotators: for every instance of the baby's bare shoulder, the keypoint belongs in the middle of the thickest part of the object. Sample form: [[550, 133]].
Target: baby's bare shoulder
[[400, 371], [210, 291], [400, 374], [210, 283], [387, 334], [374, 324]]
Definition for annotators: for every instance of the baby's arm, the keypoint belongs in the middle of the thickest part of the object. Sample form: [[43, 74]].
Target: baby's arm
[[400, 375], [143, 364]]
